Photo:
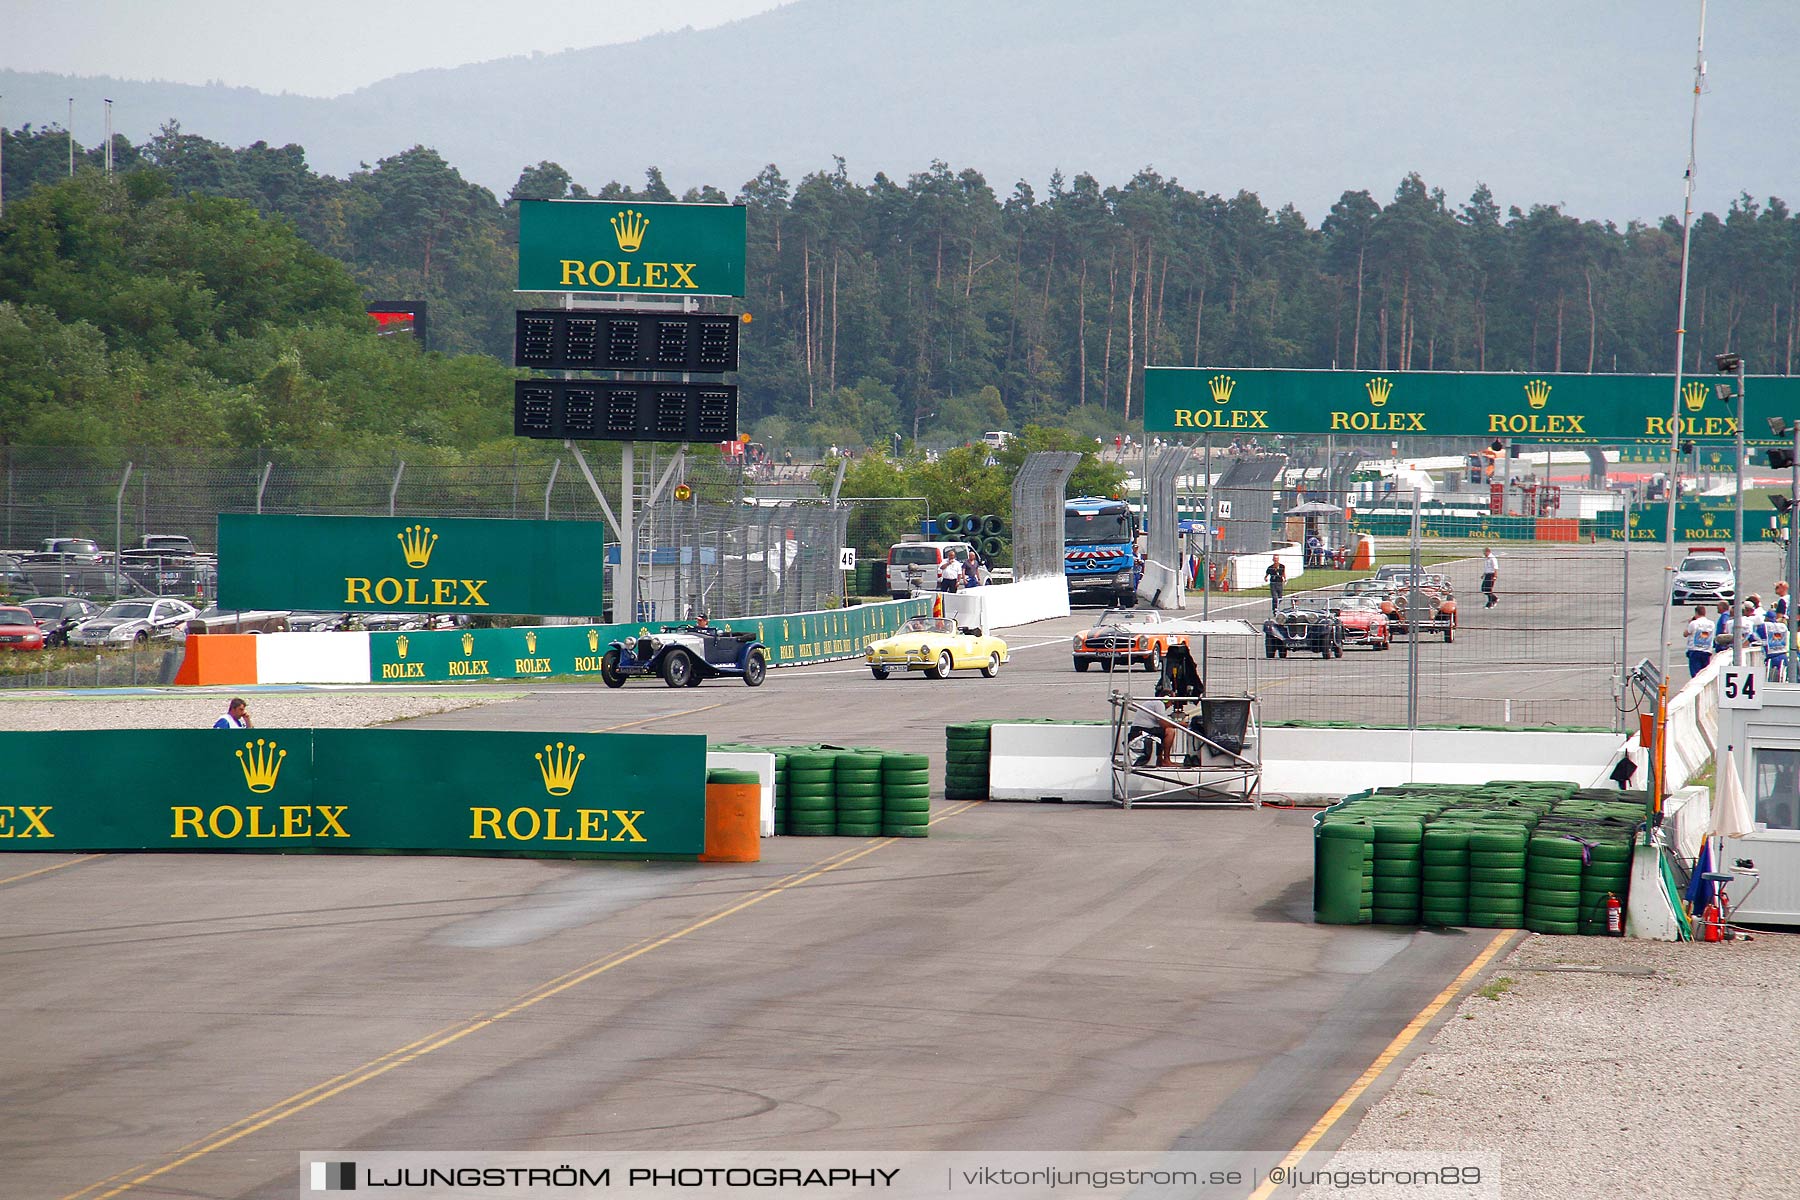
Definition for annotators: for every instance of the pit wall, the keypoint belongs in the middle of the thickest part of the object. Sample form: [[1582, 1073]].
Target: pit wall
[[420, 791], [1005, 605], [523, 652]]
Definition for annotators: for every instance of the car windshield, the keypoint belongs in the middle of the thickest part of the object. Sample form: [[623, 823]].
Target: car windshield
[[1127, 616], [929, 625], [46, 610], [912, 556], [1707, 563], [1362, 601], [16, 616], [127, 612], [1109, 528]]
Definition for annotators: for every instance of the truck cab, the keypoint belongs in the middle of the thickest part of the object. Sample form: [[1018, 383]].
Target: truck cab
[[1100, 558]]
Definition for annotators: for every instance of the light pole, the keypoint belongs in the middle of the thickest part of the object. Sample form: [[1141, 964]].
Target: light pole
[[1785, 506], [1733, 364]]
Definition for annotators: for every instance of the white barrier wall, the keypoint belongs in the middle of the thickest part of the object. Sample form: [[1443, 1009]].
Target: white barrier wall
[[312, 658], [1002, 606], [1051, 762], [1299, 761], [764, 766], [1247, 570]]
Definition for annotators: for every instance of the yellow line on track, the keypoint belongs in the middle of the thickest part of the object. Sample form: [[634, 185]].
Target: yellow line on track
[[1386, 1059], [686, 712], [52, 867], [300, 1101]]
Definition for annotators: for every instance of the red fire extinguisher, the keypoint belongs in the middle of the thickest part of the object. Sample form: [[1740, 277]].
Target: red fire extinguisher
[[1615, 916], [1714, 929]]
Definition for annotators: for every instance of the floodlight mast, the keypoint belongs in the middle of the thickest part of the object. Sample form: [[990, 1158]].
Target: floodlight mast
[[1658, 776]]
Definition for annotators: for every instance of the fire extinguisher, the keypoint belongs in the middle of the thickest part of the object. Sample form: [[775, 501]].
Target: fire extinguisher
[[1615, 916], [1714, 930]]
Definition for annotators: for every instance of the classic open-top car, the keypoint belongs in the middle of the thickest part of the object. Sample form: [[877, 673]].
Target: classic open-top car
[[686, 654], [936, 646], [1363, 621], [1437, 612], [1303, 626], [1122, 637]]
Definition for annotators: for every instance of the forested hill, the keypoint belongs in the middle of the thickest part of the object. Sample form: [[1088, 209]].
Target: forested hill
[[940, 302]]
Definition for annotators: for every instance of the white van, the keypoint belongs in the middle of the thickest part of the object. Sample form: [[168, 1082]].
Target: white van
[[913, 566], [996, 439]]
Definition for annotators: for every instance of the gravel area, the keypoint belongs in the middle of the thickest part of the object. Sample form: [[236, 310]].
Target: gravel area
[[1636, 1069], [268, 710]]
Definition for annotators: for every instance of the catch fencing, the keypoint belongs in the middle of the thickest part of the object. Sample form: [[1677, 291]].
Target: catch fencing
[[746, 541]]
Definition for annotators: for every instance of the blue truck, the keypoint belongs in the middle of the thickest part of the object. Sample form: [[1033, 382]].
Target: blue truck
[[1100, 558]]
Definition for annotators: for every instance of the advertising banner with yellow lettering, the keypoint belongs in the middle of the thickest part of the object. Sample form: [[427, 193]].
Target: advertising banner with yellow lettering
[[1523, 407], [650, 249], [457, 565], [1704, 524], [347, 790]]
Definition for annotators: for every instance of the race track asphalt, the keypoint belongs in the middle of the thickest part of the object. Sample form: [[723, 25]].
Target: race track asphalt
[[1029, 977]]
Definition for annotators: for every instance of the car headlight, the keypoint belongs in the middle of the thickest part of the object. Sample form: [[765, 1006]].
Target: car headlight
[[1076, 642]]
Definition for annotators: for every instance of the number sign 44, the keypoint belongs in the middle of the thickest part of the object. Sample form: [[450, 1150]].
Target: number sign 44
[[1739, 687]]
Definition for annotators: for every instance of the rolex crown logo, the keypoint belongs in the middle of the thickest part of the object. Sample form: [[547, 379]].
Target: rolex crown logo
[[261, 763], [1537, 393], [1378, 389], [416, 542], [400, 645], [1222, 387], [1694, 393], [593, 641], [1635, 518], [1706, 519], [559, 767], [468, 641], [530, 642], [629, 227]]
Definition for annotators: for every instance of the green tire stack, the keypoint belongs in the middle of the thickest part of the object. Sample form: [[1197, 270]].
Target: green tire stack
[[905, 795], [1343, 873], [1497, 877], [1607, 873], [1553, 884], [1397, 847], [966, 749], [781, 786], [856, 785], [812, 794], [1444, 875]]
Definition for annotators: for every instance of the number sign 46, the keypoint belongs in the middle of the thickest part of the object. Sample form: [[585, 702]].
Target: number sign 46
[[1739, 687]]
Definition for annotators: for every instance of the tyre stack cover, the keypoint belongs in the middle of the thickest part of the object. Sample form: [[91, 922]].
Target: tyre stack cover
[[1511, 854], [812, 793], [905, 795], [966, 748], [856, 793]]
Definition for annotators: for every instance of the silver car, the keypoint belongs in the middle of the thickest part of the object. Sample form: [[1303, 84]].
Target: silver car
[[134, 622], [1705, 578]]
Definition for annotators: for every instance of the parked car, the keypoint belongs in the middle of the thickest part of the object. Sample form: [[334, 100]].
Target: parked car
[[157, 618], [683, 655], [18, 630], [253, 620], [1302, 626], [1124, 637], [1704, 577], [936, 646], [913, 566], [167, 545], [57, 616], [78, 551], [1365, 624], [14, 579]]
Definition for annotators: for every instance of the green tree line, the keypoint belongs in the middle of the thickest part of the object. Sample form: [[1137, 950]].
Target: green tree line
[[939, 307]]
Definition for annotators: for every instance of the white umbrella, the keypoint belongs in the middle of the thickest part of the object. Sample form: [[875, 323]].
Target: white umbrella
[[1731, 815]]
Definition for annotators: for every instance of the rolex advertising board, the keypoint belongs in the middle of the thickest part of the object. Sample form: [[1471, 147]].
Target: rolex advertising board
[[465, 566], [1534, 408], [652, 249], [293, 790]]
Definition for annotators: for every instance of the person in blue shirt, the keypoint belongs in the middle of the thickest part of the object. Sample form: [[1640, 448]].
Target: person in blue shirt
[[1775, 645], [1700, 633], [237, 715]]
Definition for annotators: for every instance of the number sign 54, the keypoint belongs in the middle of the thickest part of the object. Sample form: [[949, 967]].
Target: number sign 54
[[1739, 687]]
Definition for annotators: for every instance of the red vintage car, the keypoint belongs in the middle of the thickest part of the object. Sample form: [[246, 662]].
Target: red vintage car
[[19, 631], [1365, 624], [1436, 606]]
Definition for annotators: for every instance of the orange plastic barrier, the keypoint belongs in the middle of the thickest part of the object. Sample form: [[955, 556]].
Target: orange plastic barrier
[[1365, 554], [733, 816], [218, 658], [1558, 529]]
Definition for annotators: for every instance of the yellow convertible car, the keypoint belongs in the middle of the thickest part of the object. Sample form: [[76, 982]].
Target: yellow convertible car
[[935, 646]]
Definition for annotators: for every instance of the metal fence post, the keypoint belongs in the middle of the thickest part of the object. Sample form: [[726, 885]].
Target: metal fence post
[[551, 486], [393, 492], [118, 545], [1412, 621]]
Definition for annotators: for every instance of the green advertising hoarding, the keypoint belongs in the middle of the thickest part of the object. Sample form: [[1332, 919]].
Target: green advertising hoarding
[[657, 249], [349, 790], [459, 565], [1705, 524], [1525, 407], [435, 656]]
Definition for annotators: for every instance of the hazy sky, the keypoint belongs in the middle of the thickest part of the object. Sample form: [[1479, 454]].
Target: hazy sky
[[321, 47]]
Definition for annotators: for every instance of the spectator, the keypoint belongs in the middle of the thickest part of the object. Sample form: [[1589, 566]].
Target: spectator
[[1775, 645], [1701, 637], [950, 575], [1277, 577], [1315, 550], [1722, 626], [1490, 576], [237, 716]]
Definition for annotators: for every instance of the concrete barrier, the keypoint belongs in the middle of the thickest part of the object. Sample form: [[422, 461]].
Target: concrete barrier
[[312, 658], [1248, 570], [1006, 605], [1299, 761], [1071, 763]]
